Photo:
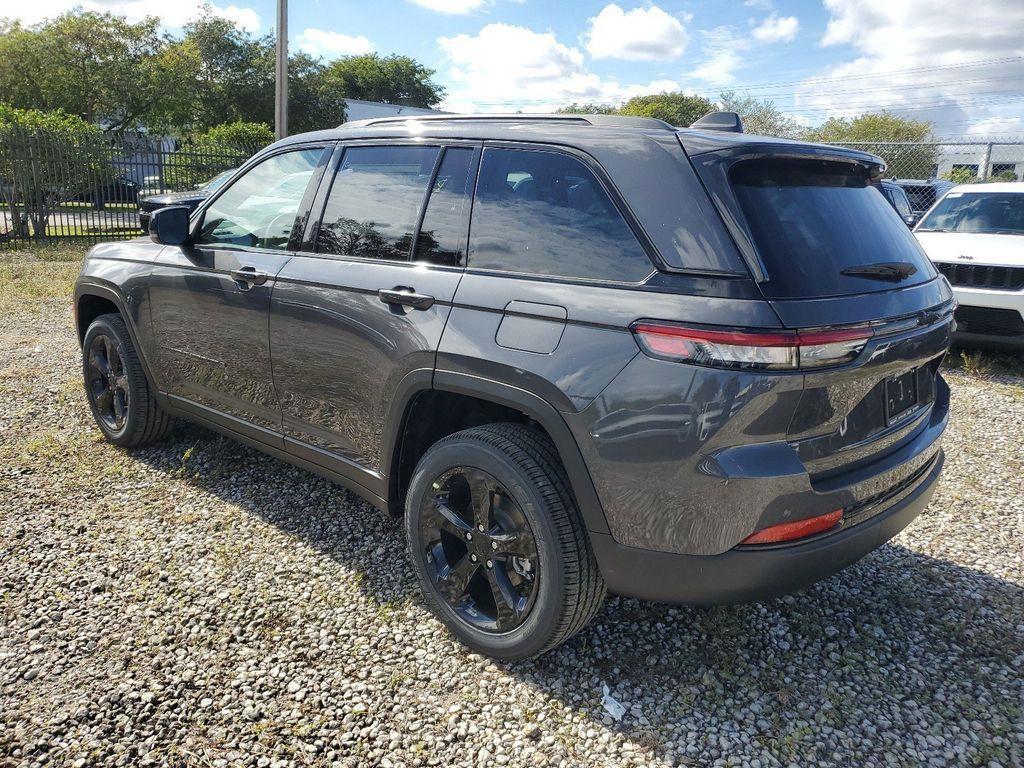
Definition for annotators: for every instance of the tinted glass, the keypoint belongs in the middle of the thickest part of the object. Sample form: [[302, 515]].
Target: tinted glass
[[999, 213], [899, 201], [375, 201], [259, 209], [812, 219], [545, 213], [443, 232]]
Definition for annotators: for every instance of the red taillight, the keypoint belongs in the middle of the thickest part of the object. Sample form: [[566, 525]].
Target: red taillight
[[768, 350], [795, 530]]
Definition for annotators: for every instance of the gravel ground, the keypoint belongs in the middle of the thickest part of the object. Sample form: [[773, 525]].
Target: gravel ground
[[197, 603]]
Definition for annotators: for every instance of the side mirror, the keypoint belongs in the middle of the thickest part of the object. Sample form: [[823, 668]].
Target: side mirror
[[911, 219], [169, 226]]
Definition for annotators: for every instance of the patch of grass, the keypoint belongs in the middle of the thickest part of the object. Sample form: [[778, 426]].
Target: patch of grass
[[27, 253], [24, 285]]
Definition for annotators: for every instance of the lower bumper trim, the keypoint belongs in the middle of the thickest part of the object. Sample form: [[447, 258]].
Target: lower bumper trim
[[749, 574]]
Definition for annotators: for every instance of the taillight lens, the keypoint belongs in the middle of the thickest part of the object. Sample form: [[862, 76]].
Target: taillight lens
[[798, 529], [764, 350]]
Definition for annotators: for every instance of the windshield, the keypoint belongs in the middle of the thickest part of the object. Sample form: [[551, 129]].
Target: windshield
[[996, 213], [214, 183], [822, 229]]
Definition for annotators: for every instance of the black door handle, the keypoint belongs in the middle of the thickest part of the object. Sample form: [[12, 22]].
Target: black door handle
[[408, 297], [250, 275]]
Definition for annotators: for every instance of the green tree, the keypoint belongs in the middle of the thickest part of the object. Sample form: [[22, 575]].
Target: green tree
[[588, 109], [678, 108], [903, 143], [43, 157], [391, 79], [761, 117], [94, 65], [312, 103]]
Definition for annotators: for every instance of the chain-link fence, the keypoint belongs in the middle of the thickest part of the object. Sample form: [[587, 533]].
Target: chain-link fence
[[89, 189], [927, 169]]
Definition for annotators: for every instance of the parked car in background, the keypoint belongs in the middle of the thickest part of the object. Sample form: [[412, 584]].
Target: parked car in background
[[975, 236], [898, 200], [922, 193], [190, 199], [575, 353], [119, 189]]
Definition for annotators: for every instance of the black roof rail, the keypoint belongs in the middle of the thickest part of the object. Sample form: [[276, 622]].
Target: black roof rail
[[611, 121], [719, 121]]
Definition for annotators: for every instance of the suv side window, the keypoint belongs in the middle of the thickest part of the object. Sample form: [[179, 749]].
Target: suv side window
[[545, 213], [259, 209], [375, 200], [442, 235]]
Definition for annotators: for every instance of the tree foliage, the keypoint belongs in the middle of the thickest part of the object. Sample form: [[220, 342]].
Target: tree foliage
[[588, 109], [118, 74], [391, 79], [761, 117], [43, 157], [673, 107], [902, 142], [678, 108]]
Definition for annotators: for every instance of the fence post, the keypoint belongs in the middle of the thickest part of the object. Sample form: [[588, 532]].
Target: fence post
[[986, 162]]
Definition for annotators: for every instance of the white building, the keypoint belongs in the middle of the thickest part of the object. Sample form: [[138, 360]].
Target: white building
[[357, 109], [976, 158]]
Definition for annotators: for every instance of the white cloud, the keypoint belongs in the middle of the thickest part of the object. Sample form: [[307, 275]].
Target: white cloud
[[321, 42], [507, 68], [722, 55], [760, 5], [995, 126], [171, 14], [921, 58], [642, 34], [777, 29], [453, 7]]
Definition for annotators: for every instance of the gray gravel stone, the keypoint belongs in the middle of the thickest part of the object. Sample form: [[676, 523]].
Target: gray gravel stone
[[197, 603]]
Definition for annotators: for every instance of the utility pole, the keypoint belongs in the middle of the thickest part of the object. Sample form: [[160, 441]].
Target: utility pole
[[281, 72]]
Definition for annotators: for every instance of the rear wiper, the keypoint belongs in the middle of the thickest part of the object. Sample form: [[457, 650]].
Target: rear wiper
[[886, 270]]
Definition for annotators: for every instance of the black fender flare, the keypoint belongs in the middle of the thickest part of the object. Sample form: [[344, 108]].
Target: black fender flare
[[536, 408], [102, 290]]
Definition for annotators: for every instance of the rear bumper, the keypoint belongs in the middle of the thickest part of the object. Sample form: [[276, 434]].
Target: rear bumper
[[747, 574]]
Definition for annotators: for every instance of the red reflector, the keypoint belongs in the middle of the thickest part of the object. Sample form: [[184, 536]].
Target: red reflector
[[795, 530]]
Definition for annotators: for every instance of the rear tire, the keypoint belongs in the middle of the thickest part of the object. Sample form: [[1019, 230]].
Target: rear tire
[[542, 584], [116, 386]]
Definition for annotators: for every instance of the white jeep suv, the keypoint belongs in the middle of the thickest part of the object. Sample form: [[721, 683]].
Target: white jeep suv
[[975, 236]]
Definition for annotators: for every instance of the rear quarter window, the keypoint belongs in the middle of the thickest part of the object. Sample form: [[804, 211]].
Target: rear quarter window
[[545, 213], [812, 219]]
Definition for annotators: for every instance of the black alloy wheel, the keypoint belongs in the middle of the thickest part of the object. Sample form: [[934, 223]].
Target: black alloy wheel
[[479, 549], [107, 383], [497, 544], [119, 394]]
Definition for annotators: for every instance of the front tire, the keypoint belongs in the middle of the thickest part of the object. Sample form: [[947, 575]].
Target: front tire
[[116, 387], [497, 543]]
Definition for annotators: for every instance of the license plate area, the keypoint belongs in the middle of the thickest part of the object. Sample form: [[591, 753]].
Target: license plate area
[[900, 395]]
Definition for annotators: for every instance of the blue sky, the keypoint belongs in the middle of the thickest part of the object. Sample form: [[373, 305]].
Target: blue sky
[[959, 64]]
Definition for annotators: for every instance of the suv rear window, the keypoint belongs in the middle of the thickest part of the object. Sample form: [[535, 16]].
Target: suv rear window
[[812, 219]]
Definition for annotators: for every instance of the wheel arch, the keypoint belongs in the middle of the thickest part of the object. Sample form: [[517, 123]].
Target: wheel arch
[[94, 299], [477, 401]]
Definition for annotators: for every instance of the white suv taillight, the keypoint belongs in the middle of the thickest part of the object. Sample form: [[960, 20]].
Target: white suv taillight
[[751, 349]]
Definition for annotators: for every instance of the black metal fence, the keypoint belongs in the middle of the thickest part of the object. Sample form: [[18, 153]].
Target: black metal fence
[[56, 187]]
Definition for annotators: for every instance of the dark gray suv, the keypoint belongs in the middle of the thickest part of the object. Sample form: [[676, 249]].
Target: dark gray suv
[[577, 354]]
